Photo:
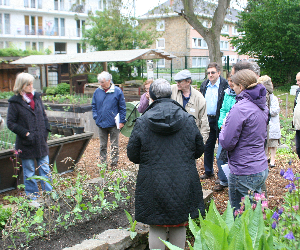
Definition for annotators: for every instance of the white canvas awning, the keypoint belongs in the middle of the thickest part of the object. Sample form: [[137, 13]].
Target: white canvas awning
[[97, 56]]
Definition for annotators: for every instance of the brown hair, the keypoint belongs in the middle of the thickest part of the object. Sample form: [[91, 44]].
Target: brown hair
[[214, 65], [245, 77], [149, 81]]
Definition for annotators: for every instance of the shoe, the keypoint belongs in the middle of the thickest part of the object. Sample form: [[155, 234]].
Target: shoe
[[218, 181], [205, 176], [34, 204], [219, 188], [269, 160], [272, 166]]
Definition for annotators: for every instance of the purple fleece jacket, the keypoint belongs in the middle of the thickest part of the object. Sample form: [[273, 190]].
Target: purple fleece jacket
[[144, 103], [245, 131]]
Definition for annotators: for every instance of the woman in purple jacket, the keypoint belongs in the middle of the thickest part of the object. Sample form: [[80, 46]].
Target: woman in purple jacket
[[243, 136]]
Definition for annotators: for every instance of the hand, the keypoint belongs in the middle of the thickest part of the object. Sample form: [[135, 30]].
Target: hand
[[121, 125], [27, 134], [147, 95]]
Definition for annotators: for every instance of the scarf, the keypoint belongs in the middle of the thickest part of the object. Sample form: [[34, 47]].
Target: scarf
[[29, 99]]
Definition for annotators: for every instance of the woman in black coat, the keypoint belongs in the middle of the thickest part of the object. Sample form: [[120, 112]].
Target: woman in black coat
[[26, 117], [165, 141]]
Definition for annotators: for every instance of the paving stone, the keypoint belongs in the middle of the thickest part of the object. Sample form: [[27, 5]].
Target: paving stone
[[90, 245]]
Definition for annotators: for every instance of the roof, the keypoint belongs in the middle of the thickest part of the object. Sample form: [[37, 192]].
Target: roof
[[204, 9], [97, 56]]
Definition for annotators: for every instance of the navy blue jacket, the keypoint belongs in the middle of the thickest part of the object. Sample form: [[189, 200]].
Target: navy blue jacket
[[107, 105]]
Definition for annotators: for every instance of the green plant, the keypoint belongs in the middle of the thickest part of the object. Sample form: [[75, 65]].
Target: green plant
[[5, 213], [63, 88], [6, 95], [51, 90], [246, 231], [133, 233]]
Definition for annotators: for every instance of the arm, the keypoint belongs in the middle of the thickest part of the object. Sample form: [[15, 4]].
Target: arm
[[94, 106], [134, 144], [223, 111], [12, 118], [230, 133], [47, 125], [204, 124], [274, 108], [122, 108], [144, 103], [198, 139]]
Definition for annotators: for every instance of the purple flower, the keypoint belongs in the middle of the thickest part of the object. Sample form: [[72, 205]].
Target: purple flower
[[297, 178], [275, 216], [274, 224], [289, 236], [291, 186], [281, 172], [280, 211], [288, 175]]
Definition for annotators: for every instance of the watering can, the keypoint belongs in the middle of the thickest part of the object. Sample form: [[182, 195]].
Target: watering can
[[131, 115]]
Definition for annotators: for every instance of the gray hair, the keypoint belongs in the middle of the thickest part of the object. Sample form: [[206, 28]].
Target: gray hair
[[104, 75], [253, 66], [161, 88], [22, 80]]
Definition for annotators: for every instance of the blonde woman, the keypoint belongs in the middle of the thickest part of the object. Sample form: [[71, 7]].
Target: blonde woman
[[244, 135], [26, 117]]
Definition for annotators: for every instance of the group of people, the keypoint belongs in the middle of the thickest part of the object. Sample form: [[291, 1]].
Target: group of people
[[177, 126]]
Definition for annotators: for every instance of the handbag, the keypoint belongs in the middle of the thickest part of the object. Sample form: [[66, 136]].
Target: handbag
[[223, 155]]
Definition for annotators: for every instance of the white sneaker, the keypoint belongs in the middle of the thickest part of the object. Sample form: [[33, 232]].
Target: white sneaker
[[34, 204]]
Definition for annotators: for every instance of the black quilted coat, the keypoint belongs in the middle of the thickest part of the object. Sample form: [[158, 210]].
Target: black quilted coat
[[165, 141], [22, 119]]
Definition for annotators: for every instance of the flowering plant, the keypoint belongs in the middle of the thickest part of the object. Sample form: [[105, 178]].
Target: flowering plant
[[285, 220]]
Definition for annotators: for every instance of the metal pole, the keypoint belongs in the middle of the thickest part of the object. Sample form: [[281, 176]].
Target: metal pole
[[157, 69], [185, 63], [171, 68], [286, 105]]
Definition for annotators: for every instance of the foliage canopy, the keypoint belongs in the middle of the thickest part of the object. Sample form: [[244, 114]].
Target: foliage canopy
[[271, 33]]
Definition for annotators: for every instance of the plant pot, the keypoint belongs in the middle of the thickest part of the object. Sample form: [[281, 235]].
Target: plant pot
[[54, 129], [60, 129], [68, 131], [78, 130]]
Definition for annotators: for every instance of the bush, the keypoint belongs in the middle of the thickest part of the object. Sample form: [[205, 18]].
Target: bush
[[51, 90], [92, 79], [6, 95], [63, 88]]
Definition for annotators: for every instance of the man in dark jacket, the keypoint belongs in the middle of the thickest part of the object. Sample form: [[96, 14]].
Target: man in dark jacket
[[165, 141], [109, 113], [213, 90]]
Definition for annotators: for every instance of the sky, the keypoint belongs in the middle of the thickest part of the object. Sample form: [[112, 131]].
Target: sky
[[143, 6]]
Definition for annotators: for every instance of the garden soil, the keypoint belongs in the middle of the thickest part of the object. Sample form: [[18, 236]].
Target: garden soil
[[117, 218]]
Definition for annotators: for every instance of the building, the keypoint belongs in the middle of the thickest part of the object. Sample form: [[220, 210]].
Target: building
[[179, 38], [53, 26]]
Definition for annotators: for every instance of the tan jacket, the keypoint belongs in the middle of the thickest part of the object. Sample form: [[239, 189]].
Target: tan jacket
[[296, 118], [196, 107]]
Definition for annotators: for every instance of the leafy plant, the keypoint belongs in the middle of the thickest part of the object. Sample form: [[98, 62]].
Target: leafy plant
[[5, 213], [51, 90], [63, 88], [133, 233], [6, 95]]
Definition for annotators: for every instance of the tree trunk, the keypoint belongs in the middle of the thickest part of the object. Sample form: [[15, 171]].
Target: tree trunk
[[211, 35]]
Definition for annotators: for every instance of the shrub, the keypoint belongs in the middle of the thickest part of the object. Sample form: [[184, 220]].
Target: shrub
[[63, 88], [6, 95], [51, 90]]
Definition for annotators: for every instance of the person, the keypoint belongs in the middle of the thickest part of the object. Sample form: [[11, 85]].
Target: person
[[296, 116], [274, 133], [165, 142], [192, 100], [26, 117], [213, 90], [243, 136], [144, 102], [228, 102], [253, 66], [108, 102]]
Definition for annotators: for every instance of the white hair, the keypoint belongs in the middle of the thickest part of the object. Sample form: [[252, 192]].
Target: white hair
[[104, 75], [161, 88]]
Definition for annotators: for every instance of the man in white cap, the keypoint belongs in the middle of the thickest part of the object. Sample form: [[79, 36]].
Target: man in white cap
[[192, 100]]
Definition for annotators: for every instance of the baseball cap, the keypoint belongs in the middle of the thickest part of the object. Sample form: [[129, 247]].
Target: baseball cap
[[182, 75]]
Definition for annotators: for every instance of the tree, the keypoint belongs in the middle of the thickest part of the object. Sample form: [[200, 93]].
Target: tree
[[110, 30], [211, 35], [271, 33]]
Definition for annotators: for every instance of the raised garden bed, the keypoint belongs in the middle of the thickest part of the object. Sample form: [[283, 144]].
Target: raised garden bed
[[65, 151]]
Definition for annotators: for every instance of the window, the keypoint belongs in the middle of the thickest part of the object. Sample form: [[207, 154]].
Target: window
[[27, 45], [225, 29], [62, 27], [160, 43], [5, 44], [78, 28], [104, 4], [32, 3], [55, 4], [60, 48], [199, 43], [62, 5], [198, 62], [160, 25], [4, 2], [1, 45], [56, 26], [26, 3], [41, 46], [100, 4], [224, 45], [6, 23], [40, 4], [161, 63], [30, 25], [234, 30], [33, 45]]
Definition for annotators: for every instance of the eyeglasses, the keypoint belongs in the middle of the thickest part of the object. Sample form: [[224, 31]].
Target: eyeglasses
[[179, 81], [212, 73]]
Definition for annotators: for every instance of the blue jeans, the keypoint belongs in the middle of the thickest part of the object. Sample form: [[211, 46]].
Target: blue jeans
[[221, 174], [209, 151], [239, 186], [31, 188]]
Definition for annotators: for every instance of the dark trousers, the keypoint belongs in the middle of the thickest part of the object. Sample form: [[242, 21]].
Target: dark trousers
[[209, 151], [298, 143]]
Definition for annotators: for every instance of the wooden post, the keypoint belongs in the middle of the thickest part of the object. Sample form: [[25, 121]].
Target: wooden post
[[46, 75], [104, 65], [41, 77], [70, 78]]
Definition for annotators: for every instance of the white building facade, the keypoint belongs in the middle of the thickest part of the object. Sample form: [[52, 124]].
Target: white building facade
[[45, 25]]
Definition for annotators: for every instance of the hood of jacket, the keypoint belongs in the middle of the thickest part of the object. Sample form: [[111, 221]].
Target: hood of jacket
[[257, 95], [165, 116]]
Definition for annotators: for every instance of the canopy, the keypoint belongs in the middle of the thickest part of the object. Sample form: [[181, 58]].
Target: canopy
[[97, 56]]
